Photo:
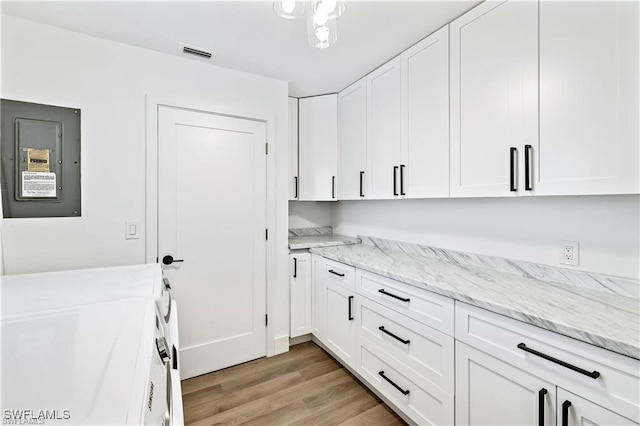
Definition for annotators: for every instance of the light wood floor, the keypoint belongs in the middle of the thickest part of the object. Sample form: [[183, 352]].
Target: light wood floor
[[304, 386]]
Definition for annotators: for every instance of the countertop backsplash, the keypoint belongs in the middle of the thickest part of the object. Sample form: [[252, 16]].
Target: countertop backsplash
[[593, 281]]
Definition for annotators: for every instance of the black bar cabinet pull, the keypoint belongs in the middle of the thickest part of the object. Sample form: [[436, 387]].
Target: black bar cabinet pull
[[404, 392], [361, 189], [513, 152], [541, 393], [295, 267], [592, 374], [333, 187], [331, 271], [395, 178], [295, 178], [402, 180], [393, 295], [565, 413], [350, 315], [528, 168], [406, 342]]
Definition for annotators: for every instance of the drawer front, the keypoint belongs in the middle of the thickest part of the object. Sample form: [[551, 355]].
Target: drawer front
[[617, 387], [423, 404], [421, 305], [339, 273], [425, 350]]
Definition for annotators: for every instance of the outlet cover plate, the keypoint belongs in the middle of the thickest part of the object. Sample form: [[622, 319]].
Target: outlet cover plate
[[570, 253]]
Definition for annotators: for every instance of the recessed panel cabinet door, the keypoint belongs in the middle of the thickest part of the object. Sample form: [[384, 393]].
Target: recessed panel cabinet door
[[293, 149], [574, 410], [492, 392], [384, 131], [425, 127], [341, 326], [352, 124], [494, 96], [588, 98], [300, 282], [318, 148]]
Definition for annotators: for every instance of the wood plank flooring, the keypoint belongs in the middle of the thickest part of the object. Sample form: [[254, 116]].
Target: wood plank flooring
[[304, 386]]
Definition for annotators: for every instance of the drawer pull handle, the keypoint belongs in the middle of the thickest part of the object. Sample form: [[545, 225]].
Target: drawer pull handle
[[406, 342], [295, 267], [565, 413], [350, 314], [592, 374], [541, 393], [331, 271], [392, 295], [404, 392]]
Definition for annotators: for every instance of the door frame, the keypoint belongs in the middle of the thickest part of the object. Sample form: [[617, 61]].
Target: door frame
[[151, 189]]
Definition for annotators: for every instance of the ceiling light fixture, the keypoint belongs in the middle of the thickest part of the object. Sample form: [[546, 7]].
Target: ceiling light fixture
[[322, 18], [288, 9]]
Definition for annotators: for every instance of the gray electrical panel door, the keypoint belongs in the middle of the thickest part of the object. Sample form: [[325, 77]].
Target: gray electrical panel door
[[40, 150]]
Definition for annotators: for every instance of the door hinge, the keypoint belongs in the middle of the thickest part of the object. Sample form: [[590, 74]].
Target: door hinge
[[266, 148], [266, 234], [266, 320]]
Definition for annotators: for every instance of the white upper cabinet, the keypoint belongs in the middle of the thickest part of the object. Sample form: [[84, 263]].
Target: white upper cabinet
[[588, 98], [384, 131], [318, 148], [494, 97], [352, 125], [425, 117], [293, 149]]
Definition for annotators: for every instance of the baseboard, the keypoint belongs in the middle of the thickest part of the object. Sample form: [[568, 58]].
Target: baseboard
[[299, 339], [281, 344]]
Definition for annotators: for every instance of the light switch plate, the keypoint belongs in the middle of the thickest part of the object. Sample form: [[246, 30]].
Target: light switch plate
[[132, 229]]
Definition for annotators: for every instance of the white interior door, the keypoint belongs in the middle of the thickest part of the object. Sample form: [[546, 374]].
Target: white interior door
[[212, 215]]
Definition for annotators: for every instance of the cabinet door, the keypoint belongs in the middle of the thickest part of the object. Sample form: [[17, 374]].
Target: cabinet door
[[352, 124], [293, 149], [318, 306], [492, 392], [588, 98], [425, 121], [318, 148], [340, 322], [300, 287], [574, 410], [494, 96], [384, 131]]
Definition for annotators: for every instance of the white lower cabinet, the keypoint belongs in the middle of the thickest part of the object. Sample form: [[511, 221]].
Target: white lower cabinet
[[574, 410], [492, 392], [418, 399], [400, 339], [300, 290]]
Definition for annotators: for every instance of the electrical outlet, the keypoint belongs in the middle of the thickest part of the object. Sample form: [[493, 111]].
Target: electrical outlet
[[570, 253]]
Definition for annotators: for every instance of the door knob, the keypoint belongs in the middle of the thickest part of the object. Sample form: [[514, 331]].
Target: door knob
[[168, 260]]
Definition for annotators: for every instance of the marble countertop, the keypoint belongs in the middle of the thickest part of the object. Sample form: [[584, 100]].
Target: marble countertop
[[605, 319], [307, 238]]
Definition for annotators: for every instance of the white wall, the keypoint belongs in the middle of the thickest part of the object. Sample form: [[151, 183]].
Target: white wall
[[108, 81], [309, 214], [526, 228]]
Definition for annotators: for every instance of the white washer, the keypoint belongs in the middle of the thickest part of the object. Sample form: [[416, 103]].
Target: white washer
[[104, 363]]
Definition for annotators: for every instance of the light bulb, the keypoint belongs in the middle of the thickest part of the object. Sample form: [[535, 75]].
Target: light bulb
[[288, 5], [322, 33], [320, 19], [329, 5]]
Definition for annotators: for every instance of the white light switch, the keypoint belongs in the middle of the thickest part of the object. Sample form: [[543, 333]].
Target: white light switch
[[132, 229]]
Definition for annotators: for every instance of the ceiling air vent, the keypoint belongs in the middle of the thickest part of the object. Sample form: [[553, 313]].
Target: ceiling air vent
[[196, 52]]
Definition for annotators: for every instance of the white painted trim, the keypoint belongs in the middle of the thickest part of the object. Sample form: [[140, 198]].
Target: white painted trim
[[281, 344], [151, 190]]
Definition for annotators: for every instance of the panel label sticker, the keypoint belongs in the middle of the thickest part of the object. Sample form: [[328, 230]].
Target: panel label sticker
[[36, 184], [38, 160]]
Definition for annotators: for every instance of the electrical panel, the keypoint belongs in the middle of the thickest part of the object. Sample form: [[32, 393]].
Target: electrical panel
[[40, 150]]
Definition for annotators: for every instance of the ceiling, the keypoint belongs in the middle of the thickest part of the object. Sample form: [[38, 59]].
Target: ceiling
[[248, 36]]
